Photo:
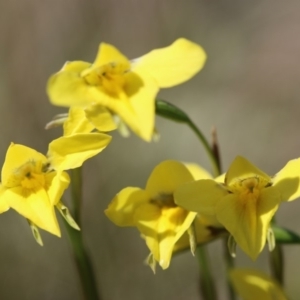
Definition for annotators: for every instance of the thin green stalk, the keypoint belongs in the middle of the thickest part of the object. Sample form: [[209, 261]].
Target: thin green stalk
[[83, 262], [76, 192], [207, 285], [171, 112], [229, 264], [277, 261], [207, 147]]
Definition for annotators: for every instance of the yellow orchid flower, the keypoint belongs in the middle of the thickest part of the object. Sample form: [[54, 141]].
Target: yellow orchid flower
[[114, 85], [245, 203], [253, 284], [153, 211], [30, 189]]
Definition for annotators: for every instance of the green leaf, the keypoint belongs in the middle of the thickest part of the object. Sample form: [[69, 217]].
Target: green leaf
[[170, 111], [285, 236]]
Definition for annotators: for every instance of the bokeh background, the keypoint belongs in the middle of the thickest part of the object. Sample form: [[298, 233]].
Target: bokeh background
[[249, 89]]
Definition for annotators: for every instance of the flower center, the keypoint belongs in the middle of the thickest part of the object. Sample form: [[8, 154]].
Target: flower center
[[249, 189], [110, 77], [29, 176], [164, 200]]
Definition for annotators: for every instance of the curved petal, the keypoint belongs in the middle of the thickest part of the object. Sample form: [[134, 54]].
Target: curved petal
[[200, 196], [100, 117], [253, 284], [16, 156], [70, 152], [77, 122], [34, 206], [287, 180], [241, 169], [122, 208], [172, 65], [248, 219], [197, 171], [166, 177], [141, 95], [135, 104], [57, 183], [109, 54], [69, 88]]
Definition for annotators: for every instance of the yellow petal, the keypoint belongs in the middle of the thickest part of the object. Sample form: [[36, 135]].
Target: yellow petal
[[198, 172], [221, 178], [122, 208], [57, 183], [248, 221], [100, 117], [109, 54], [287, 180], [200, 196], [34, 206], [68, 88], [77, 122], [241, 169], [3, 204], [16, 157], [253, 284], [146, 218], [71, 151], [166, 177], [140, 116], [162, 228], [172, 65]]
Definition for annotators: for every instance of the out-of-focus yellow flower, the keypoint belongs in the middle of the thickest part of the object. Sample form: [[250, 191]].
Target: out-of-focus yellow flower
[[153, 211], [114, 85], [253, 284], [30, 189], [246, 202]]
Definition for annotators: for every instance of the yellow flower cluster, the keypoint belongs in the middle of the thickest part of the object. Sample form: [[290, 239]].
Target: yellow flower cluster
[[243, 201]]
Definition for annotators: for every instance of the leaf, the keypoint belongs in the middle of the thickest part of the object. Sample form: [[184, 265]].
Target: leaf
[[285, 236], [170, 111]]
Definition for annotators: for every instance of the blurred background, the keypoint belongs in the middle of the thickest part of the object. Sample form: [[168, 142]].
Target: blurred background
[[249, 89]]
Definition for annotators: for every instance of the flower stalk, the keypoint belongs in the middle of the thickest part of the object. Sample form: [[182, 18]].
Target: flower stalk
[[83, 262]]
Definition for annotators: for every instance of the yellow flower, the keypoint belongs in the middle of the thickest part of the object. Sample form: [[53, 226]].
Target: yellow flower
[[153, 211], [29, 189], [253, 284], [114, 85], [245, 203]]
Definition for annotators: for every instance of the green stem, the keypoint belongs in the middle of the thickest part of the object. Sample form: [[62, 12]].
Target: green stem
[[76, 192], [229, 263], [277, 261], [83, 262], [171, 112], [207, 147], [207, 286]]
